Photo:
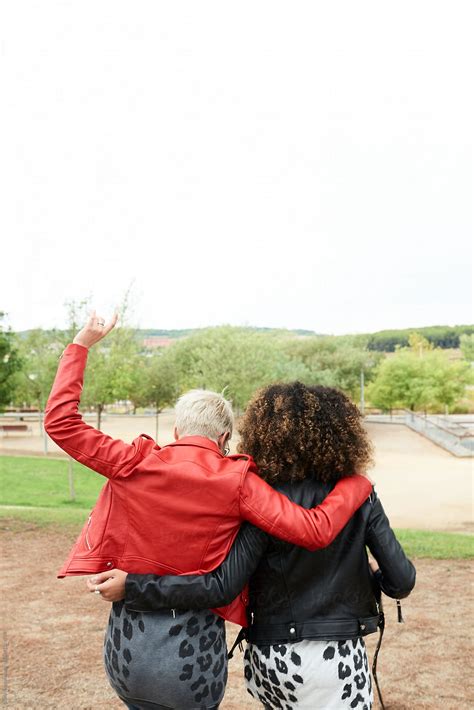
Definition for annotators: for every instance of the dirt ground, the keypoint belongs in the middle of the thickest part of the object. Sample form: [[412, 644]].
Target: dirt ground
[[440, 485], [53, 632]]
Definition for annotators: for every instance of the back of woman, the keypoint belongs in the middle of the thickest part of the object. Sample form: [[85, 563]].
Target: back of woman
[[314, 588], [310, 611]]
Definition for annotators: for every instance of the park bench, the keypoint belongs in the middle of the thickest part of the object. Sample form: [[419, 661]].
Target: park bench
[[7, 428]]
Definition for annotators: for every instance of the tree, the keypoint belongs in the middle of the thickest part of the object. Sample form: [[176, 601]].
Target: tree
[[446, 379], [418, 344], [114, 366], [467, 346], [77, 315], [39, 353], [441, 336], [334, 361], [420, 377], [237, 360], [399, 383], [157, 385], [10, 363]]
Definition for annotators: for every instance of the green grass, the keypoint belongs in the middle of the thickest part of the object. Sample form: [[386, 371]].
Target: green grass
[[436, 545], [43, 517], [41, 485], [41, 482]]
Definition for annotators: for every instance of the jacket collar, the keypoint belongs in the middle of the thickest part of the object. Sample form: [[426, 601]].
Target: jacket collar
[[200, 441]]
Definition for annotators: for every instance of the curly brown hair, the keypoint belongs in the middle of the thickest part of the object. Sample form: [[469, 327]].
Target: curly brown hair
[[294, 432]]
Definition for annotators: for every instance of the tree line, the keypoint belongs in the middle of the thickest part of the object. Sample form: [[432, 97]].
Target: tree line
[[387, 341], [440, 336], [237, 361]]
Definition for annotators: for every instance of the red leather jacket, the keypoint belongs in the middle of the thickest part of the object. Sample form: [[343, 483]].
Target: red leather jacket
[[177, 509]]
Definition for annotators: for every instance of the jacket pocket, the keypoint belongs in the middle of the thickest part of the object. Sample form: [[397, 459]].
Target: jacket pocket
[[93, 532]]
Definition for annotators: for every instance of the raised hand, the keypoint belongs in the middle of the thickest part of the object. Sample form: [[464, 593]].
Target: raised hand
[[94, 330]]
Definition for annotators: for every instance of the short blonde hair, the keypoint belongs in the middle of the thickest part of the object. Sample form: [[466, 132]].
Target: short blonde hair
[[203, 413]]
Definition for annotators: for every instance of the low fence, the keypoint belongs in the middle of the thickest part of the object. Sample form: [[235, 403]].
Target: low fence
[[454, 435], [394, 418]]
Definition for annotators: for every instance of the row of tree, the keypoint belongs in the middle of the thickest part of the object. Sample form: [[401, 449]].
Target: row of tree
[[440, 336], [386, 341], [234, 360]]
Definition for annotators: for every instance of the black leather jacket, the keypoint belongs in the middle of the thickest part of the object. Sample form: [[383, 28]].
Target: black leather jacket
[[295, 594]]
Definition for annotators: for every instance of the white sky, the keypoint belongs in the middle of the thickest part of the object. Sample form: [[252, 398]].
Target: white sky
[[293, 164]]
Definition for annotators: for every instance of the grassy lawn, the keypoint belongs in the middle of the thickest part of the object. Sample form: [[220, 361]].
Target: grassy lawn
[[41, 486], [436, 545], [37, 481], [73, 518]]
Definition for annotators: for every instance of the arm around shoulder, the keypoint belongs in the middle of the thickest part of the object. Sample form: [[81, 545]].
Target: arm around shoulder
[[313, 529]]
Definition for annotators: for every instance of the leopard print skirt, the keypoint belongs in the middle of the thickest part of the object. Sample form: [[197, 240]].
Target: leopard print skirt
[[171, 661], [310, 675]]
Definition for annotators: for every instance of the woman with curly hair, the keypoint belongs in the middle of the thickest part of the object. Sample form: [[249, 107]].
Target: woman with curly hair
[[308, 611]]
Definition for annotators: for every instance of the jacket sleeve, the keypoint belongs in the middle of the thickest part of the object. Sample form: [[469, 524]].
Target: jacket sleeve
[[398, 574], [313, 529], [65, 425], [146, 592]]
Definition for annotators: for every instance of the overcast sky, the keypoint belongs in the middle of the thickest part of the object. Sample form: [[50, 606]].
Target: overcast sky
[[285, 164]]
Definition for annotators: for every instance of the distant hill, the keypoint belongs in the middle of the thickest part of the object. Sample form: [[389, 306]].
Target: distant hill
[[442, 336], [174, 334]]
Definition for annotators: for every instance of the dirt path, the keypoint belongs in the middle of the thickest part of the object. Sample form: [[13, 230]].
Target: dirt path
[[54, 632]]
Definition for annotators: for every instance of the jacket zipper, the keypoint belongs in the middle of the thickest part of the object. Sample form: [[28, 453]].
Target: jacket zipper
[[88, 544], [401, 620]]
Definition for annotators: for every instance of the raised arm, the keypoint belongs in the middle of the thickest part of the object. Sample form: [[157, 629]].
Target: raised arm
[[65, 426], [398, 574], [146, 592], [313, 529]]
